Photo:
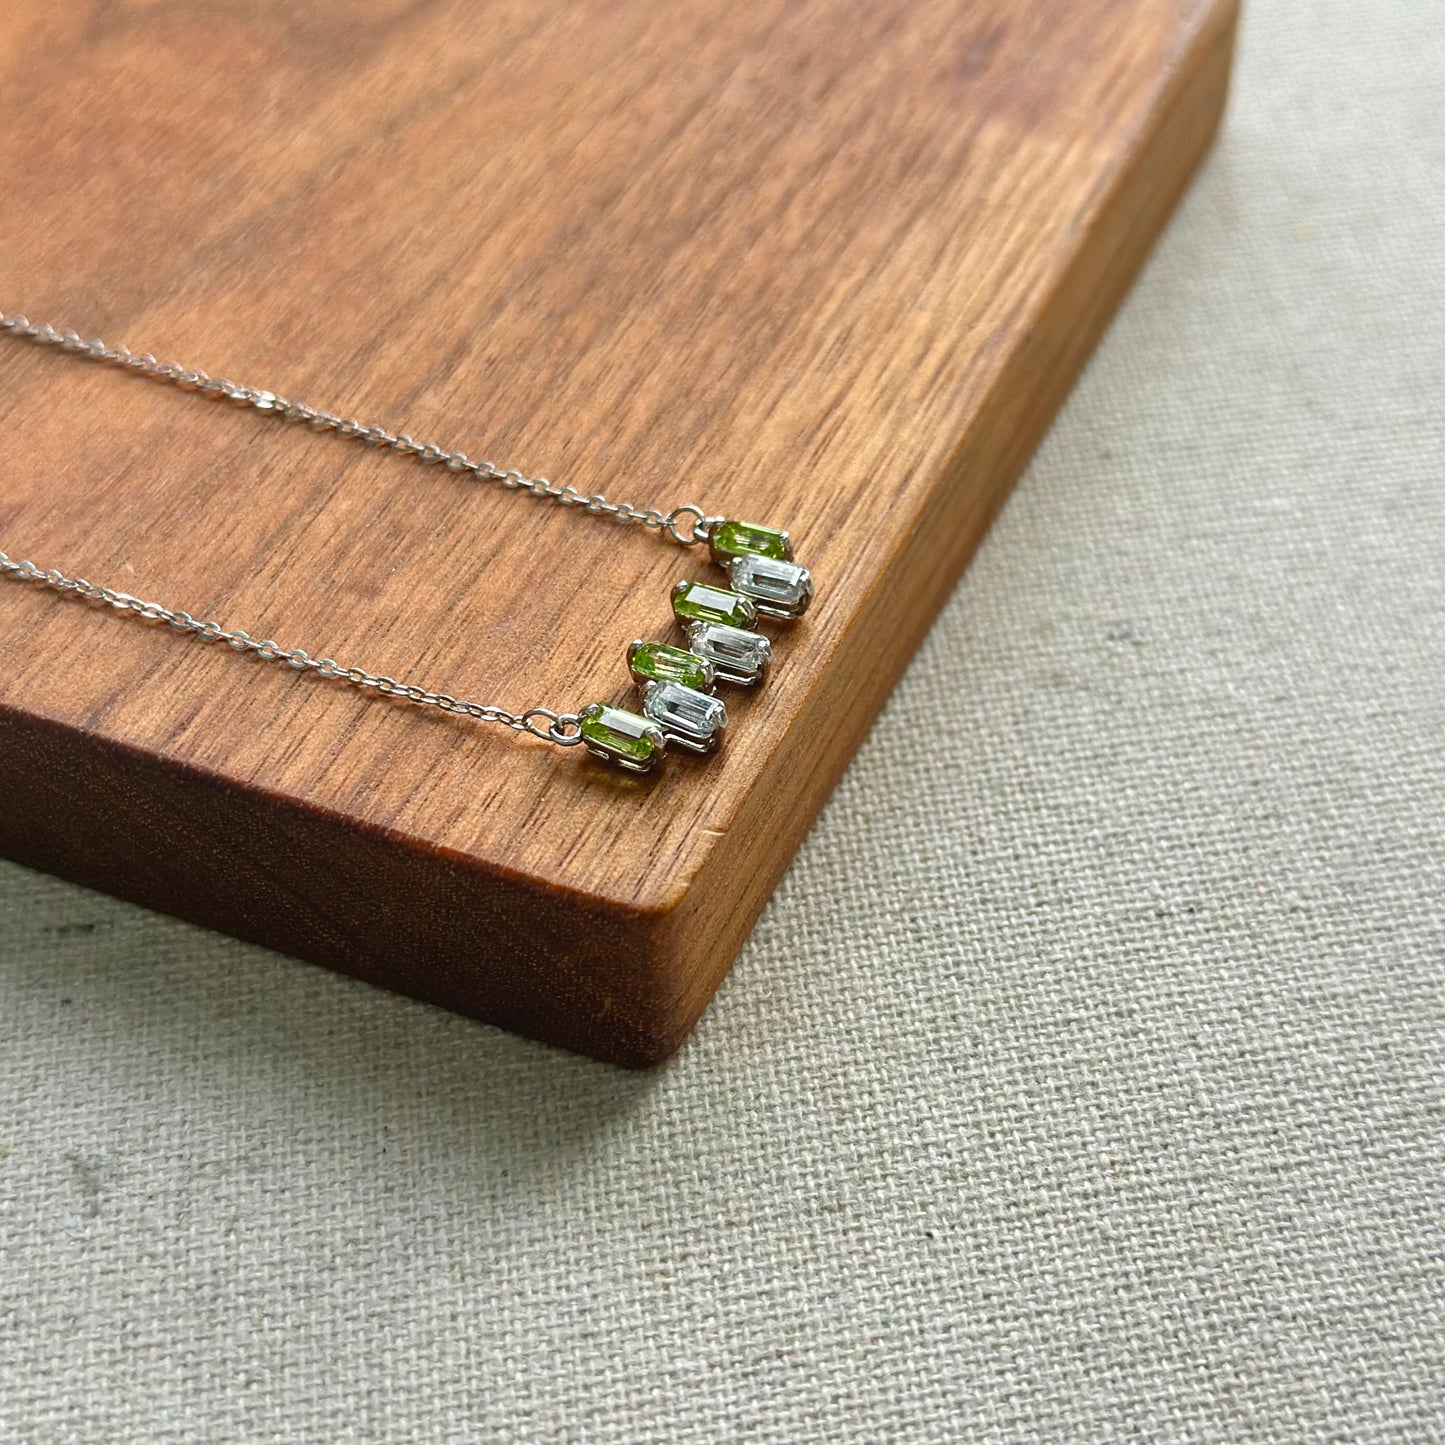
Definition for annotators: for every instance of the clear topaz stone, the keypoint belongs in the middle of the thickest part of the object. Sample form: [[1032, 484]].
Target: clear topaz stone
[[737, 655], [689, 718], [779, 589]]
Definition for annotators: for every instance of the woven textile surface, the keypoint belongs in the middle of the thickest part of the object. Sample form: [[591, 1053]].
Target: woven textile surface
[[1084, 1080]]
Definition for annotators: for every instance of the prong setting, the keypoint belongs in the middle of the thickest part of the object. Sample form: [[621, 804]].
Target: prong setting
[[691, 719], [661, 662], [737, 655], [730, 538], [627, 740], [776, 588], [702, 602]]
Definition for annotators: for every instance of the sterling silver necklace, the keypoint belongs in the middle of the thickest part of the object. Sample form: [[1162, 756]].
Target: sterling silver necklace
[[677, 684]]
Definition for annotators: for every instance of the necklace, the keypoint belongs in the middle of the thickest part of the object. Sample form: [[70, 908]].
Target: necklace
[[677, 685]]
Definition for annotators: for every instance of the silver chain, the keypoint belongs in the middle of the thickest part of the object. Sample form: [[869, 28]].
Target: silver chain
[[687, 525], [553, 727]]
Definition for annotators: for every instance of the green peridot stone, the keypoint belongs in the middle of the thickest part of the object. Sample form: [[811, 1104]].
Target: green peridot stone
[[697, 602], [657, 662], [738, 539], [621, 737]]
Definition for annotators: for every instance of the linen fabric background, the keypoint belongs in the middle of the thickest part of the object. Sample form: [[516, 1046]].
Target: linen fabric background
[[1083, 1080]]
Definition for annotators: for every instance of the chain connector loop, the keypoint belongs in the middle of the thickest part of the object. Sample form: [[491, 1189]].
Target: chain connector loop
[[567, 730], [702, 524]]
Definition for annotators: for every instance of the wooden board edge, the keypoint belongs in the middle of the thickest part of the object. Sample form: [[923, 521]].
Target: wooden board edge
[[183, 842], [1130, 214]]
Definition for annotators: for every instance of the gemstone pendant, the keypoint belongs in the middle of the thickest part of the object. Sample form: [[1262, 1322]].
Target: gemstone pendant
[[625, 739], [688, 718], [776, 588], [736, 655], [699, 602], [729, 539], [658, 662]]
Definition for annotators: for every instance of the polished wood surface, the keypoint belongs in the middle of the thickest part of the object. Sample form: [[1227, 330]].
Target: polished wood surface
[[830, 265]]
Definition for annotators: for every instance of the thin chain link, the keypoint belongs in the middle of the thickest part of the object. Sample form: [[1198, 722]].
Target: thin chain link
[[563, 729], [687, 525]]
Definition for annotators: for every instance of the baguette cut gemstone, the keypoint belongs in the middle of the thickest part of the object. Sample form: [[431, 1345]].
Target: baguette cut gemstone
[[700, 602], [737, 656], [659, 662], [689, 718], [779, 589], [628, 739], [730, 539]]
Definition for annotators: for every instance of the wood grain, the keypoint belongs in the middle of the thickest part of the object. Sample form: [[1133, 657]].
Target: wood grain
[[829, 264]]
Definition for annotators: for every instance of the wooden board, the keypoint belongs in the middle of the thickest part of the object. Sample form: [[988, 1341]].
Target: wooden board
[[830, 264]]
